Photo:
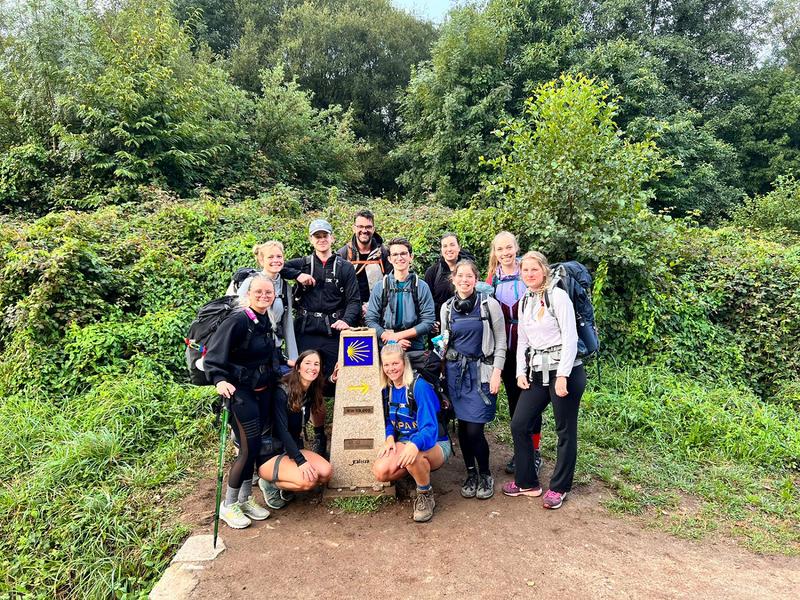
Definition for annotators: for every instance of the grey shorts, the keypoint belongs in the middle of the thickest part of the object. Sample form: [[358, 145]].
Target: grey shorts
[[447, 448]]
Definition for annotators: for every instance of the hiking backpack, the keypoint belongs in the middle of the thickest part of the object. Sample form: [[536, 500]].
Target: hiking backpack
[[414, 295], [575, 280], [209, 318]]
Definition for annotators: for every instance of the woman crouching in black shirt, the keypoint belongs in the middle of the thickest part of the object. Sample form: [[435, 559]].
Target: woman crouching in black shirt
[[299, 394]]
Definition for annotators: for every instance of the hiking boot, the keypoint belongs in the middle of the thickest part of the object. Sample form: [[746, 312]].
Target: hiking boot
[[423, 506], [272, 495], [287, 496], [510, 488], [253, 510], [470, 487], [553, 499], [485, 487], [320, 446], [510, 467], [232, 514], [537, 461]]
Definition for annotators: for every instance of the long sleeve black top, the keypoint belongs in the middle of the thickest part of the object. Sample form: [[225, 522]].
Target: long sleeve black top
[[325, 296], [228, 356]]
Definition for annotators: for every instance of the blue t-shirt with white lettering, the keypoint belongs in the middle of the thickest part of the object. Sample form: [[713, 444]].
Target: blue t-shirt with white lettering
[[422, 428]]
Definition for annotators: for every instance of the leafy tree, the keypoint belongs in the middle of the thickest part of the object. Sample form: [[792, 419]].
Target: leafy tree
[[568, 178], [299, 143], [779, 209]]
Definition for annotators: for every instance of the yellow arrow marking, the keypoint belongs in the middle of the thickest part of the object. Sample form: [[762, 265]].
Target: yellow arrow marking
[[363, 388]]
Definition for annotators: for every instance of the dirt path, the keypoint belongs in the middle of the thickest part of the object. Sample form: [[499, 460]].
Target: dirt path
[[479, 549]]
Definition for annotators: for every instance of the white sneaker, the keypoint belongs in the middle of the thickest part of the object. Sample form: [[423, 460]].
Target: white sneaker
[[232, 514], [254, 510]]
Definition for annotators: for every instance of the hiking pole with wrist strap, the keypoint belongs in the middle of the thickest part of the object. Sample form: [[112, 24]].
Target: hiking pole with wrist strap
[[222, 435]]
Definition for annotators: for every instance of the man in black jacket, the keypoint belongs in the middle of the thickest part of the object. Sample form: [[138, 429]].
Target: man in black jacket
[[369, 256], [327, 301]]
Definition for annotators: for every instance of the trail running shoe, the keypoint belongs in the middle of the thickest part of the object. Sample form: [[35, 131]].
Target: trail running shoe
[[553, 499], [287, 496], [485, 487], [232, 514], [423, 506], [537, 461], [272, 495], [253, 510], [510, 488], [470, 487], [510, 467]]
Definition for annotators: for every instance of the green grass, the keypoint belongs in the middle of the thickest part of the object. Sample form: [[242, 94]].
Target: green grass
[[360, 504], [87, 505], [689, 457]]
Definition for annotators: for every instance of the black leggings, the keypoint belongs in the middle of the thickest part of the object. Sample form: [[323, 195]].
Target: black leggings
[[509, 377], [248, 409], [532, 403], [473, 445]]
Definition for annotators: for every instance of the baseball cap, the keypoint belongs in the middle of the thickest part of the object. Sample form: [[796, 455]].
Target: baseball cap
[[319, 225]]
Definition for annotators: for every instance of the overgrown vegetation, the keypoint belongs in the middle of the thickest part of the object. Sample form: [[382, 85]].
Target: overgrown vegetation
[[143, 154]]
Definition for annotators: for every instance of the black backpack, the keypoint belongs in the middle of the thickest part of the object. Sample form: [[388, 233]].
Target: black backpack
[[209, 318], [574, 278]]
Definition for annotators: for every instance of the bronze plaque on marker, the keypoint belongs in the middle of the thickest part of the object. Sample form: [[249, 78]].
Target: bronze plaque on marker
[[358, 410], [363, 444]]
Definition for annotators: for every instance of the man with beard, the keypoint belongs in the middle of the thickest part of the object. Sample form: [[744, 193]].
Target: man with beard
[[367, 254]]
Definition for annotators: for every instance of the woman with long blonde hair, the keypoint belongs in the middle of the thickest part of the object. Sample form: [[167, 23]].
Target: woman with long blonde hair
[[416, 443], [548, 372], [509, 290]]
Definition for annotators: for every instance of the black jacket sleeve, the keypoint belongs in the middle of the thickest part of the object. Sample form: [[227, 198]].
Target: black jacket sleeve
[[280, 427], [231, 333], [292, 268], [352, 294]]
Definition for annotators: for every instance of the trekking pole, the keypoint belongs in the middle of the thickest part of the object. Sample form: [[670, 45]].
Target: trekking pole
[[222, 435]]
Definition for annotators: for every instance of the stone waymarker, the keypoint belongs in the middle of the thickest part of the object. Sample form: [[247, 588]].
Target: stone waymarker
[[358, 425]]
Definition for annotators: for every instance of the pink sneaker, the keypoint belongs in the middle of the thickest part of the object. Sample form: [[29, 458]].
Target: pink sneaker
[[510, 488], [553, 499]]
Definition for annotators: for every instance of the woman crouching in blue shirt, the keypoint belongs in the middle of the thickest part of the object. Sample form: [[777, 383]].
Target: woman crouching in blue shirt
[[415, 444]]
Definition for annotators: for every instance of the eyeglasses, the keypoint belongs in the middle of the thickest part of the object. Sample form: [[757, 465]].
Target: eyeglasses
[[260, 294], [399, 254], [365, 227]]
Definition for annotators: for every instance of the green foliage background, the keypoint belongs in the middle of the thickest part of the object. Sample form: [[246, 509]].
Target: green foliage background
[[145, 148]]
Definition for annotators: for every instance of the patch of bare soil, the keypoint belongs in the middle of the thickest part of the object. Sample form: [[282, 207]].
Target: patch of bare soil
[[476, 548]]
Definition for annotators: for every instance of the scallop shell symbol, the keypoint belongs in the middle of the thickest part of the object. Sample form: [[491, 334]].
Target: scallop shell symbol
[[357, 351]]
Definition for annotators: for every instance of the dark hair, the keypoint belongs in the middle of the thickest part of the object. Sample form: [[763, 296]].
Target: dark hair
[[465, 262], [366, 213], [296, 393], [448, 234], [399, 241]]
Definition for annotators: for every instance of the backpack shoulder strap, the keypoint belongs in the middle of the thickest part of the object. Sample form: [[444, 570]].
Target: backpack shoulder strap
[[410, 400], [415, 293], [384, 296]]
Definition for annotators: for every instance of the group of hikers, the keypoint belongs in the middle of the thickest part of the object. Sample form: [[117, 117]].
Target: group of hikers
[[275, 361]]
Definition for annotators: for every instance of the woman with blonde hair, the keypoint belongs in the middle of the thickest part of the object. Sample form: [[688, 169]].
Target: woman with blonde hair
[[509, 290], [269, 256], [416, 443], [243, 362], [548, 371]]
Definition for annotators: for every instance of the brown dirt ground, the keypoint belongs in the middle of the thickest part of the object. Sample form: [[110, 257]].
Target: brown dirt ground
[[472, 548]]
